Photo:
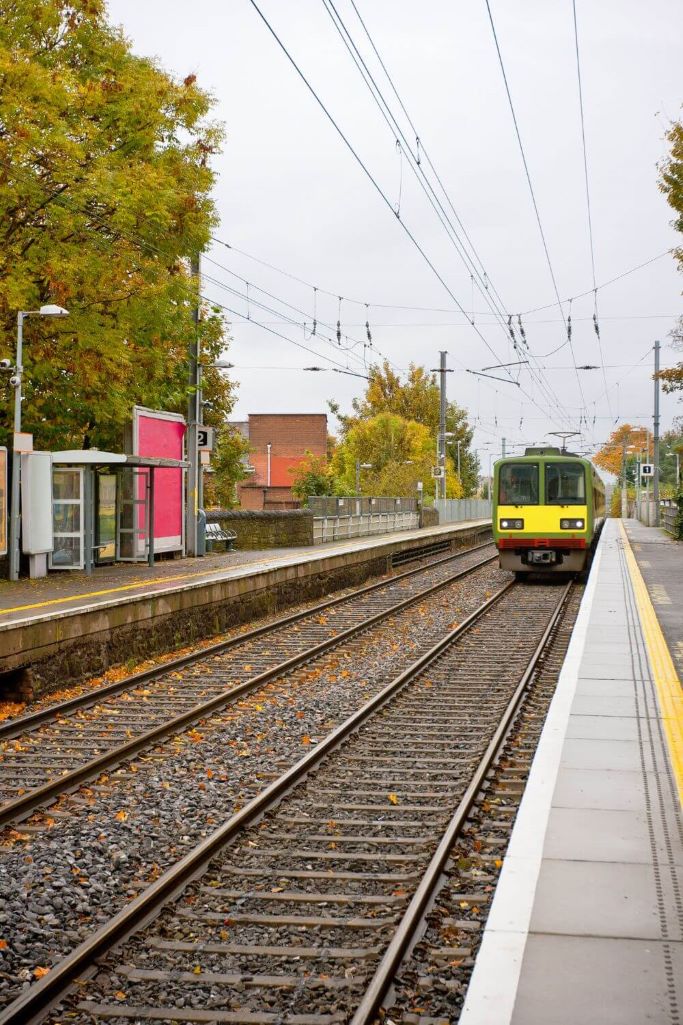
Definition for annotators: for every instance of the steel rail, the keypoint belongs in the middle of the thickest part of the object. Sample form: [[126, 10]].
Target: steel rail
[[16, 727], [52, 988], [19, 808], [386, 970]]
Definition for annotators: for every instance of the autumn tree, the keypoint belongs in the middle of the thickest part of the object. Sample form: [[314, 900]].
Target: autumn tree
[[417, 399], [312, 476], [104, 195], [623, 448], [395, 452], [671, 184], [227, 467]]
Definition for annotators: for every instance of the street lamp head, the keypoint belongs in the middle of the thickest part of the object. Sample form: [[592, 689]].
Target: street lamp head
[[52, 310], [222, 364]]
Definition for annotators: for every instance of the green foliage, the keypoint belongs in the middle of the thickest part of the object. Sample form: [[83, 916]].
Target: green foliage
[[671, 184], [228, 467], [312, 477], [399, 453], [415, 401], [104, 193]]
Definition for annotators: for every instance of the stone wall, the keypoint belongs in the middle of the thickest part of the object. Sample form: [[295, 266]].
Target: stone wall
[[430, 517], [256, 530]]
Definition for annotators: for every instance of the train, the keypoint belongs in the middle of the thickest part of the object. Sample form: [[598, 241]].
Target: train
[[548, 510]]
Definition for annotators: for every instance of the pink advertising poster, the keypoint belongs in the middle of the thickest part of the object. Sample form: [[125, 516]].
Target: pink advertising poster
[[161, 435]]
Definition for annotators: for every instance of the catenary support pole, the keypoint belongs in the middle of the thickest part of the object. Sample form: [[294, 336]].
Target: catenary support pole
[[441, 481], [16, 457], [656, 436], [193, 418]]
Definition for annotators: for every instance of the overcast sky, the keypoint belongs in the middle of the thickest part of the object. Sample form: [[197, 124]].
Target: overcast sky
[[290, 193]]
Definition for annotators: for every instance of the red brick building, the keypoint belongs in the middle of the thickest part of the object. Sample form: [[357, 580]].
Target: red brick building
[[277, 444]]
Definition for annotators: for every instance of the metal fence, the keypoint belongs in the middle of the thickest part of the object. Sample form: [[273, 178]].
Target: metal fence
[[353, 505], [336, 528], [454, 510]]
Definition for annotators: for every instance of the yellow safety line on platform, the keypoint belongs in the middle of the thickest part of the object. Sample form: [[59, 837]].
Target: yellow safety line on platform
[[142, 583], [663, 668], [259, 566]]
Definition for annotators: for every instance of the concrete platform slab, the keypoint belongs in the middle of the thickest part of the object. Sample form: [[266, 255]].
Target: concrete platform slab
[[592, 788], [586, 924], [603, 727], [606, 981]]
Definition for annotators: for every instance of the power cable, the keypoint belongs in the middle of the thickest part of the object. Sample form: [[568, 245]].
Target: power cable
[[588, 202], [531, 188], [483, 283], [371, 178]]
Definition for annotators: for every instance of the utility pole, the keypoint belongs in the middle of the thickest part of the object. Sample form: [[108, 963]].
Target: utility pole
[[624, 502], [440, 489], [656, 433], [503, 448], [442, 425], [193, 419]]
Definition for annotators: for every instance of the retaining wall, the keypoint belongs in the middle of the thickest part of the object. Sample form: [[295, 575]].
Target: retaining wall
[[259, 530], [45, 652]]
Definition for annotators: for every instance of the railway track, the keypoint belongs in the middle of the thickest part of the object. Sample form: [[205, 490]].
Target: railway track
[[54, 750], [431, 984], [302, 916]]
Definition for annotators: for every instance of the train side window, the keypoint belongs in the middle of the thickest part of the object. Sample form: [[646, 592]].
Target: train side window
[[518, 484], [565, 484]]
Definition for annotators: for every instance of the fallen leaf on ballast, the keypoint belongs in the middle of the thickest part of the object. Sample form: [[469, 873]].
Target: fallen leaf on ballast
[[393, 798]]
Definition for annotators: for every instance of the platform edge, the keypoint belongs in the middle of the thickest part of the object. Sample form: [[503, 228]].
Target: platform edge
[[492, 992]]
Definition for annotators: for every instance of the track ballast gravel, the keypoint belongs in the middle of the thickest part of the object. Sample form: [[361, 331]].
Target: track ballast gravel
[[95, 851]]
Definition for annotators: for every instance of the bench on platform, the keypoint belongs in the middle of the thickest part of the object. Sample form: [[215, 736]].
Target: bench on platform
[[215, 534]]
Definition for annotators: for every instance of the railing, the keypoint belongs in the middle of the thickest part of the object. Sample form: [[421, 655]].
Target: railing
[[355, 505], [454, 510], [336, 528]]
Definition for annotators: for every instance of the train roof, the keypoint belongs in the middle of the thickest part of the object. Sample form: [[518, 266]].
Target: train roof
[[532, 455]]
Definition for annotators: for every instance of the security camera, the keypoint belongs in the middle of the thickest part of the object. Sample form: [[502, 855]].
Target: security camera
[[5, 364], [15, 380]]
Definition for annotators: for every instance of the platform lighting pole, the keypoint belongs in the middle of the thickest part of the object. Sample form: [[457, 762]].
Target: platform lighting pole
[[656, 434], [193, 420], [16, 381], [440, 490]]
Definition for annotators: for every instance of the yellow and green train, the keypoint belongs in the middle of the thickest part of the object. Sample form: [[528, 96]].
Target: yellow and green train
[[548, 509]]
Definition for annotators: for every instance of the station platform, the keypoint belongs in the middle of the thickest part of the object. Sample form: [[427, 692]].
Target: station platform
[[586, 924], [70, 626]]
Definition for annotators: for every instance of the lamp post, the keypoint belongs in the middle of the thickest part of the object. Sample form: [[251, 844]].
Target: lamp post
[[16, 381], [360, 466]]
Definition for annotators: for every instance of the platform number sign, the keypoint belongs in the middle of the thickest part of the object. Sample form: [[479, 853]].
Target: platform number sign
[[647, 470], [205, 439]]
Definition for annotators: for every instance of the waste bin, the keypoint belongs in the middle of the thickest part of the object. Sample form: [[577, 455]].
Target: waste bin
[[201, 532]]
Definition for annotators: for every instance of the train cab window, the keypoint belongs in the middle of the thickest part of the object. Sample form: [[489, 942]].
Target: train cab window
[[565, 484], [518, 484]]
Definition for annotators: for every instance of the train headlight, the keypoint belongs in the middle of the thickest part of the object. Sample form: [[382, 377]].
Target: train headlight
[[572, 524], [512, 524]]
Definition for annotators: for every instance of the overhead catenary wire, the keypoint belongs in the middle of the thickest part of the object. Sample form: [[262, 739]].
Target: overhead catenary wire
[[440, 309], [588, 200], [482, 281], [531, 188], [145, 246], [372, 179]]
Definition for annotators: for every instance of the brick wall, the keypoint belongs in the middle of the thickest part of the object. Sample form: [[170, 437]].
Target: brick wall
[[257, 530], [290, 434]]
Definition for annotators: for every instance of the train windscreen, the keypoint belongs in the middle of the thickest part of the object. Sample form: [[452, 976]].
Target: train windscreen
[[565, 484], [518, 484]]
